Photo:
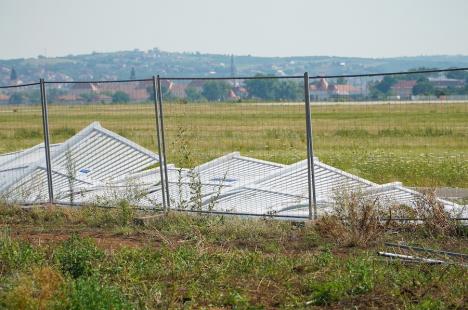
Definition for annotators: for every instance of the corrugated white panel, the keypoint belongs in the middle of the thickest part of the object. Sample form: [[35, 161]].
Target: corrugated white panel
[[235, 170], [397, 194], [110, 167], [285, 192], [206, 180], [96, 154], [14, 165], [25, 157], [33, 187]]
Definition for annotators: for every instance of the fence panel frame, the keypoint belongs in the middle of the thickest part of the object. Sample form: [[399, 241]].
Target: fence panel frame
[[45, 126]]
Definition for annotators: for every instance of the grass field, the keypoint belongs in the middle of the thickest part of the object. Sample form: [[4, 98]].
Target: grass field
[[418, 144], [58, 258]]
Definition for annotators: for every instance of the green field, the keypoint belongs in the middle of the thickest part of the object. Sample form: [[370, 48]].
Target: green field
[[418, 144]]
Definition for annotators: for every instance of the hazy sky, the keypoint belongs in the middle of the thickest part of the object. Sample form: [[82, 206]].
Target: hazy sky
[[365, 28]]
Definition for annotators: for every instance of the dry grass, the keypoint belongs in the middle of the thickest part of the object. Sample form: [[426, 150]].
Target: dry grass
[[436, 221], [354, 221]]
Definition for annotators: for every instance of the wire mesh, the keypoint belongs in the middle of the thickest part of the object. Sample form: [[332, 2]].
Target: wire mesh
[[410, 128], [106, 136], [230, 144], [238, 145], [22, 160]]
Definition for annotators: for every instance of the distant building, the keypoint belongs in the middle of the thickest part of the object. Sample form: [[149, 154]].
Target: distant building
[[445, 83], [322, 90]]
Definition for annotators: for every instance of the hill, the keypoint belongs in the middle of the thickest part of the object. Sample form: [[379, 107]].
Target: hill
[[118, 65]]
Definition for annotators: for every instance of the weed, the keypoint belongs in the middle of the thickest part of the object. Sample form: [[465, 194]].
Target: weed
[[354, 221], [40, 289], [70, 168], [89, 293], [16, 255], [437, 222], [76, 256]]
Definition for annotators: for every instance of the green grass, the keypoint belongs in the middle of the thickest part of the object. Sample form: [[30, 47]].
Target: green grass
[[418, 144], [63, 259]]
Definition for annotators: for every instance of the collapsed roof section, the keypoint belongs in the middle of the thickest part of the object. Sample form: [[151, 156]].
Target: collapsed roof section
[[93, 156], [97, 165], [190, 186]]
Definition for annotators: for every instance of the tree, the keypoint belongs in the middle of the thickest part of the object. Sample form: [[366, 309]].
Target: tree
[[16, 98], [215, 90], [120, 97], [386, 84], [193, 94], [423, 87], [132, 74], [261, 88], [89, 97], [288, 90], [53, 94], [13, 75], [166, 93]]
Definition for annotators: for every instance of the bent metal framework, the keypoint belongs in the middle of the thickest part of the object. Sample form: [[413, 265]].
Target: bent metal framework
[[98, 165]]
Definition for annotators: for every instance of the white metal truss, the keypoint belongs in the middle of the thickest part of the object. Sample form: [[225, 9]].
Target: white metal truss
[[285, 192], [107, 166], [187, 185], [93, 156]]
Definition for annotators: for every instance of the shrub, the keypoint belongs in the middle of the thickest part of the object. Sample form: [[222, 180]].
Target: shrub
[[354, 221], [435, 220], [89, 293], [42, 289], [76, 256]]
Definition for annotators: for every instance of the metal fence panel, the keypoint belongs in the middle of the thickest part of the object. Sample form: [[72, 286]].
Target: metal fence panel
[[224, 135], [107, 135], [409, 128], [237, 145], [23, 177]]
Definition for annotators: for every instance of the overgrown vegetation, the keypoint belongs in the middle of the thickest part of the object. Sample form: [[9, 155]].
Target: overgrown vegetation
[[87, 258]]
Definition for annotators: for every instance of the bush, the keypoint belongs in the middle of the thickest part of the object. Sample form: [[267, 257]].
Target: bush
[[355, 220], [42, 289], [89, 293], [77, 255], [120, 97], [436, 221]]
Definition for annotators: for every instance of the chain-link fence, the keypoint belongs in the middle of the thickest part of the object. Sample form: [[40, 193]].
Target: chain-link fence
[[243, 145]]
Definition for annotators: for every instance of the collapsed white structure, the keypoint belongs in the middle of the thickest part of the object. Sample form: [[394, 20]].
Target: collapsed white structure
[[91, 157], [97, 165]]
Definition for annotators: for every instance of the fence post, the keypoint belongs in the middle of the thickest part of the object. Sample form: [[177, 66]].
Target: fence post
[[45, 128], [158, 135], [163, 140], [310, 151]]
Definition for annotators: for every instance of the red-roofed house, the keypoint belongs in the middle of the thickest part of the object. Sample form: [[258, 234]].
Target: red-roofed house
[[323, 90]]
